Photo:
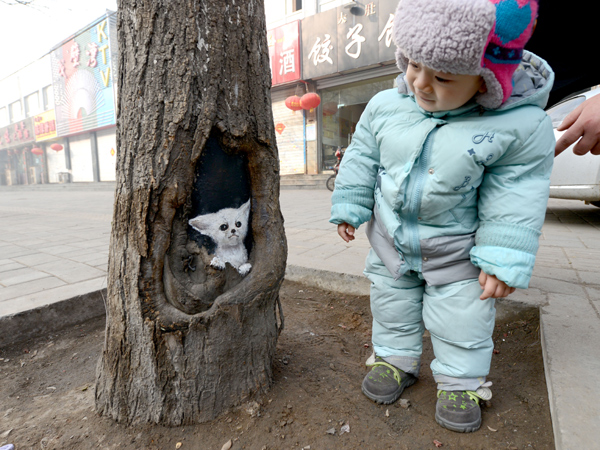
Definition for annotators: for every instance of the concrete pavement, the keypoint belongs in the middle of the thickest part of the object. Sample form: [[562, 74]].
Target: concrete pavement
[[54, 253]]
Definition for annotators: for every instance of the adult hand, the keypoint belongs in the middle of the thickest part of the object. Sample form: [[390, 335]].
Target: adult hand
[[583, 122], [493, 287], [346, 231]]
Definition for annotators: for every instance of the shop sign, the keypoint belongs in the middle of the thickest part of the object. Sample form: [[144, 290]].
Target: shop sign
[[44, 126], [336, 40], [82, 80], [17, 134], [284, 53]]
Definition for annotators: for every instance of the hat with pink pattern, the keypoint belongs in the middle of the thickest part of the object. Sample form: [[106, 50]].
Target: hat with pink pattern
[[473, 37]]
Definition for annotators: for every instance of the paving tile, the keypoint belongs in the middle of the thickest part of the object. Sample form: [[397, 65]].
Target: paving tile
[[30, 287], [531, 296], [570, 336], [71, 271], [593, 293], [10, 266], [37, 258], [557, 273], [19, 276], [13, 251], [88, 258], [553, 286], [49, 296], [58, 249], [588, 277]]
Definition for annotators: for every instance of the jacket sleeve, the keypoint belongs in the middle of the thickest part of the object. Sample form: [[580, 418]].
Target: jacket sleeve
[[353, 197], [512, 206]]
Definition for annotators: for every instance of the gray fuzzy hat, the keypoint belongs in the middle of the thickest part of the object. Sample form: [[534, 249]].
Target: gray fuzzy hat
[[472, 37]]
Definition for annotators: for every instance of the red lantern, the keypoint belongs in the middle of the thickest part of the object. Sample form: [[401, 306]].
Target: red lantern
[[56, 147], [37, 151], [293, 103], [310, 101]]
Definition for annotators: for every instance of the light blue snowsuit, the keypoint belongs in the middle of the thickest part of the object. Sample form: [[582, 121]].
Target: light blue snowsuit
[[447, 194]]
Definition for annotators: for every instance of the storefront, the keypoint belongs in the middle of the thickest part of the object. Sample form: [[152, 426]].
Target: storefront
[[290, 126], [84, 98], [349, 55], [18, 165], [342, 107]]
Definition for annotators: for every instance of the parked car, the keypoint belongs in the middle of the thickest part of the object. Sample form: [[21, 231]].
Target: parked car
[[573, 176]]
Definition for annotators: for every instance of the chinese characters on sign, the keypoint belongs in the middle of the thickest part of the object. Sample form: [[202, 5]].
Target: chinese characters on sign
[[320, 51], [287, 62], [82, 82], [284, 53], [337, 40], [387, 31], [356, 41], [44, 126], [370, 9], [16, 134]]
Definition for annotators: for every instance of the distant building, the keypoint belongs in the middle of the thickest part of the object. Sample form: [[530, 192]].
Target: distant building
[[57, 114], [343, 50]]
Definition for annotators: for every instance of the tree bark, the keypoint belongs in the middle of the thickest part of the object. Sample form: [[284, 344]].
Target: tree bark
[[186, 341]]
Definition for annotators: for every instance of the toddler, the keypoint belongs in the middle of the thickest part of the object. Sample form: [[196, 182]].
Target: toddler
[[451, 171]]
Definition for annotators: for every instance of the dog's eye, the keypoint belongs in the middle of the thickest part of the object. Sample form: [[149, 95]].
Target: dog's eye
[[238, 224], [223, 227]]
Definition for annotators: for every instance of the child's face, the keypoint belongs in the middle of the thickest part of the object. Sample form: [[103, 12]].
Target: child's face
[[441, 91]]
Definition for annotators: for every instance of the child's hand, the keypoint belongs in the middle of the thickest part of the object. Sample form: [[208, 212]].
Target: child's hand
[[346, 231], [493, 287]]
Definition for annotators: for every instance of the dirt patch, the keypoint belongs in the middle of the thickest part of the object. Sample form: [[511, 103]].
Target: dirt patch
[[47, 391]]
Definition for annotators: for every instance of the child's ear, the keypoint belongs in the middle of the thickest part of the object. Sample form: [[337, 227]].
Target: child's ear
[[483, 88]]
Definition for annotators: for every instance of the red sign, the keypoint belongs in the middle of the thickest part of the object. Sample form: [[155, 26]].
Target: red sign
[[16, 134], [284, 53]]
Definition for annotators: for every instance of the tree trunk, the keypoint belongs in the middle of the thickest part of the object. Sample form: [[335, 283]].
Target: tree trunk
[[185, 339]]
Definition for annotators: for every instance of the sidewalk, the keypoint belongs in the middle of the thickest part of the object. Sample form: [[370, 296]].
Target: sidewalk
[[54, 253]]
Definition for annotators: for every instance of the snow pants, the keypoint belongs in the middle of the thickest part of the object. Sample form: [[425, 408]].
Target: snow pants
[[460, 324]]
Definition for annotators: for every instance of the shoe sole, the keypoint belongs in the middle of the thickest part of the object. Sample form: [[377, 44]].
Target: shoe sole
[[458, 427], [389, 399]]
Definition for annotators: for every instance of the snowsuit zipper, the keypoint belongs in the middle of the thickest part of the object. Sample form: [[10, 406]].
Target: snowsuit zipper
[[416, 195]]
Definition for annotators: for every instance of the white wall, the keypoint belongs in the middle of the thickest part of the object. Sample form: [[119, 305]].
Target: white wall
[[81, 159], [107, 141], [30, 78], [279, 12], [56, 163], [290, 140]]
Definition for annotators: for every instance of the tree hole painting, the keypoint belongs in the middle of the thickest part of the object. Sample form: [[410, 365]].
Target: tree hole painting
[[210, 249], [198, 249]]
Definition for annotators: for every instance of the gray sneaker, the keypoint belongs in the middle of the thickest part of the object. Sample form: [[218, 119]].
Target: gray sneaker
[[384, 383], [458, 410]]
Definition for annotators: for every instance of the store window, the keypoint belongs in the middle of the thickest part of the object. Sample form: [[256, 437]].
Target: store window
[[3, 116], [32, 104], [341, 109], [16, 112], [48, 99], [296, 5]]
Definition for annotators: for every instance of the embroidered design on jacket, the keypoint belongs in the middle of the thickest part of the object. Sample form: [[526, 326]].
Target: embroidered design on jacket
[[479, 138]]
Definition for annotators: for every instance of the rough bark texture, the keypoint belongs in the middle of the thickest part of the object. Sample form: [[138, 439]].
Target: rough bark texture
[[183, 346]]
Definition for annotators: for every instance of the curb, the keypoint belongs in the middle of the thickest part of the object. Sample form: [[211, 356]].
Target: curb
[[330, 281], [50, 318]]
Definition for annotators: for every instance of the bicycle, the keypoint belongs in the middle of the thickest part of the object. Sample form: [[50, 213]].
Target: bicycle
[[330, 183]]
